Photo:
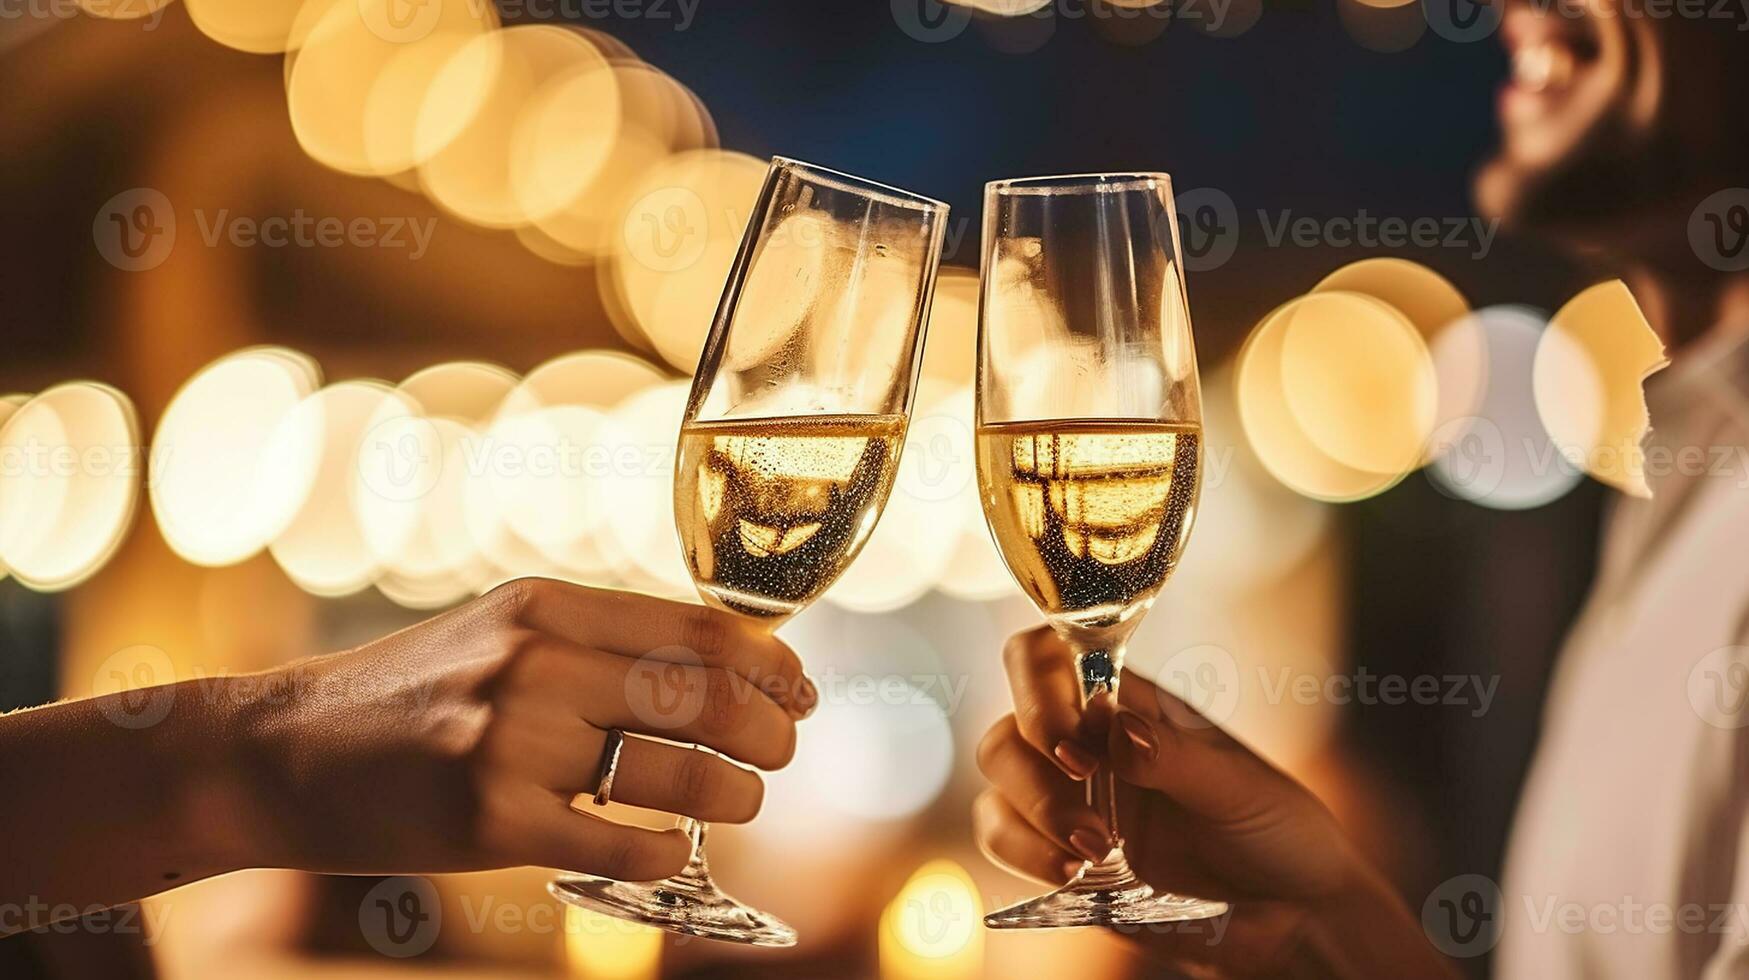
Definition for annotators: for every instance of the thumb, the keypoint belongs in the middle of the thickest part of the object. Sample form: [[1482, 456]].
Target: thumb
[[1159, 742]]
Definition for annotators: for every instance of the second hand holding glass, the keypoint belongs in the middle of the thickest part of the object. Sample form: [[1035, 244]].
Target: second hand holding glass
[[790, 444], [1089, 440]]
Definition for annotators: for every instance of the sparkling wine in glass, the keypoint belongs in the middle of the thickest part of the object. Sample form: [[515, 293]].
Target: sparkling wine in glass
[[790, 444], [1089, 444]]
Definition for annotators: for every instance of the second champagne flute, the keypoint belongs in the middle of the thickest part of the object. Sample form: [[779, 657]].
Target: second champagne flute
[[1089, 447], [790, 443]]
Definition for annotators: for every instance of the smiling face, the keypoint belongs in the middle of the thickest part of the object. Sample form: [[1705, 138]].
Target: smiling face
[[1615, 123]]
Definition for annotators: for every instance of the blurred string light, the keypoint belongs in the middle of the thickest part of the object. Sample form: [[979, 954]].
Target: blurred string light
[[255, 26], [480, 173], [673, 245], [933, 929], [412, 490], [547, 482], [345, 48], [323, 549], [214, 495], [601, 947], [657, 117], [69, 482], [1590, 372], [638, 489]]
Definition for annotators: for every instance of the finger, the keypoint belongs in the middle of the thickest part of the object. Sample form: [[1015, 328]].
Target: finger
[[634, 625], [706, 705], [1047, 702], [1159, 742], [549, 834], [672, 778], [1167, 846], [1008, 840], [1055, 805]]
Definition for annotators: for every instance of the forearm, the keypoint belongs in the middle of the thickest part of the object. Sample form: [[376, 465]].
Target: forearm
[[102, 807]]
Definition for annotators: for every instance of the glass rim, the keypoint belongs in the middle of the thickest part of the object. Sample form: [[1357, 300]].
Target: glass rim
[[839, 180], [1089, 183]]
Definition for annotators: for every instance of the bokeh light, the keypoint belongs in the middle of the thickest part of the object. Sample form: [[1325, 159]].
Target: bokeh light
[[1590, 372], [484, 173], [1495, 451], [601, 947], [656, 117], [215, 496], [323, 549], [674, 244], [69, 482], [639, 439], [339, 114], [418, 459], [256, 26], [551, 491], [1428, 299], [1337, 395], [933, 929], [1264, 529]]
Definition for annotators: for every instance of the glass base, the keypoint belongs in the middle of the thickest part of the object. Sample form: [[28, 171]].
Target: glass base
[[1103, 894], [688, 903]]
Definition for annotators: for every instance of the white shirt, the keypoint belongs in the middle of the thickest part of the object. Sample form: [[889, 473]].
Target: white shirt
[[1628, 856]]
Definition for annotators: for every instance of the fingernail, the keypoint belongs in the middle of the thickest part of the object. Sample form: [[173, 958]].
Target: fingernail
[[1140, 734], [1089, 844], [807, 697], [1079, 762]]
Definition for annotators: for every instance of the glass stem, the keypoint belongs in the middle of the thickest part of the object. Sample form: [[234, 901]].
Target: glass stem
[[695, 829], [1099, 669]]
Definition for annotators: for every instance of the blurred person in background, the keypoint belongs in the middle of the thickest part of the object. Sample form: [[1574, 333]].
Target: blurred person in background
[[457, 744], [1624, 140]]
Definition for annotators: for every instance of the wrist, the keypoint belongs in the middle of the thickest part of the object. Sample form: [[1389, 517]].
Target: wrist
[[1365, 930], [248, 737]]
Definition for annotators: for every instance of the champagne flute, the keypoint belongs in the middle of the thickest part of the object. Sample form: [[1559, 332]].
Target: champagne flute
[[1089, 443], [790, 443]]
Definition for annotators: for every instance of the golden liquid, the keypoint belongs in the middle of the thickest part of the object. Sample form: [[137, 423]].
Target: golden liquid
[[1090, 514], [771, 511]]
